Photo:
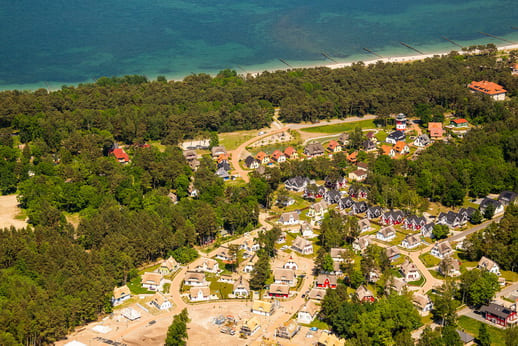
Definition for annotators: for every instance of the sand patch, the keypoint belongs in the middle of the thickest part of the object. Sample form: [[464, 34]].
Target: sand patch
[[8, 211]]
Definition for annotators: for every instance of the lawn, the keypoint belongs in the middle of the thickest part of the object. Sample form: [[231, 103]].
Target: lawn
[[222, 289], [509, 275], [337, 128], [429, 260], [135, 286], [318, 324], [381, 136], [471, 326], [232, 140], [419, 282]]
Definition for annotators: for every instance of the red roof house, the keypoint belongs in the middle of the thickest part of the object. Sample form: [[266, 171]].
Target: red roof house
[[435, 130], [290, 152], [495, 91], [120, 155]]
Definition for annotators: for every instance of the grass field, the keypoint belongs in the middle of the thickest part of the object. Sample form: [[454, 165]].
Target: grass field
[[231, 140], [429, 260], [337, 128], [471, 326]]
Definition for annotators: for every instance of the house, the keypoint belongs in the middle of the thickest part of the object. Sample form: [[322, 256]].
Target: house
[[386, 233], [344, 138], [371, 135], [441, 250], [263, 308], [450, 219], [306, 231], [467, 339], [190, 155], [279, 291], [317, 294], [282, 238], [465, 214], [422, 140], [364, 225], [499, 207], [337, 270], [435, 129], [208, 265], [449, 266], [278, 156], [393, 217], [398, 285], [249, 245], [334, 147], [222, 161], [374, 275], [129, 313], [120, 155], [168, 266], [499, 314], [395, 137], [224, 255], [317, 210], [217, 151], [459, 123], [291, 153], [489, 265], [307, 312], [409, 271], [195, 279], [160, 302], [284, 277], [297, 184], [251, 162], [493, 90], [249, 266], [353, 157], [508, 197], [345, 203], [360, 244], [152, 281], [358, 175], [226, 278], [120, 294], [314, 150], [288, 330], [368, 145], [414, 222], [426, 230], [326, 281], [286, 202], [422, 302], [362, 165], [250, 326], [401, 148], [302, 246], [364, 295], [392, 253], [262, 158], [222, 173], [290, 218], [387, 150], [291, 264], [332, 196], [337, 254], [411, 241], [514, 69], [359, 207], [374, 212], [335, 183], [241, 288], [313, 191], [329, 339]]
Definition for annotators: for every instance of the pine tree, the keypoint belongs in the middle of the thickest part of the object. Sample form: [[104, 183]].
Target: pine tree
[[483, 335], [177, 332]]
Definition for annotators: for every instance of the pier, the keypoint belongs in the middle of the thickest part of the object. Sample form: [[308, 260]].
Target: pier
[[328, 57], [410, 47], [373, 53], [452, 42], [493, 36], [285, 63]]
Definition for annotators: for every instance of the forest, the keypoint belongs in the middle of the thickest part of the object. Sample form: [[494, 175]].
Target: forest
[[54, 149]]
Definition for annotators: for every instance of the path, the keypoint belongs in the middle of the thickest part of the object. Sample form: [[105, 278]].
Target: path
[[331, 122], [8, 212]]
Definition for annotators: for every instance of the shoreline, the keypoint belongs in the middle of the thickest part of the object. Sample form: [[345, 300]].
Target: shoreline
[[256, 71]]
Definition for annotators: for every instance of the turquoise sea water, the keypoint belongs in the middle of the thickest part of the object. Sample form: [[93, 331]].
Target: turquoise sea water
[[55, 42]]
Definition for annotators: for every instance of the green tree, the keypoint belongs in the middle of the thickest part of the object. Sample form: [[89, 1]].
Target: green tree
[[450, 336], [260, 273], [444, 303], [489, 211], [476, 217], [477, 287], [177, 332], [484, 339], [440, 231], [237, 254], [511, 335], [430, 337]]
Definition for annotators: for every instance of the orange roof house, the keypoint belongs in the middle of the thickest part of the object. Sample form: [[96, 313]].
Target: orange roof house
[[352, 157], [436, 130], [334, 146], [494, 90], [262, 157], [387, 150], [459, 122], [290, 152], [120, 155], [278, 156], [401, 148], [222, 157]]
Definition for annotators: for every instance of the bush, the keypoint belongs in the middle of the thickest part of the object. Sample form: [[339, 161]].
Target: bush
[[184, 254]]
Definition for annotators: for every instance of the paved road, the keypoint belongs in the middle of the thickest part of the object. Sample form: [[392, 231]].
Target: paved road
[[331, 122], [473, 229]]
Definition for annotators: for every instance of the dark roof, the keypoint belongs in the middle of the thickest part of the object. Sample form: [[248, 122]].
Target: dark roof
[[225, 165], [368, 144], [449, 217], [416, 219], [397, 135], [507, 196], [467, 211], [487, 201], [465, 337], [314, 148], [249, 160], [496, 310], [297, 181]]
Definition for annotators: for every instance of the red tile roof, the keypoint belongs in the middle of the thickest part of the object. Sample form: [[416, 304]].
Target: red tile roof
[[276, 154], [435, 129], [120, 154], [260, 155], [460, 121], [289, 151], [386, 149], [353, 157], [399, 146], [486, 87], [332, 144]]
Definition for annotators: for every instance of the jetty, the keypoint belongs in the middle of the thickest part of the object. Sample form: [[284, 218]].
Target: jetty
[[285, 63], [410, 47], [452, 42], [327, 56], [493, 36], [373, 53]]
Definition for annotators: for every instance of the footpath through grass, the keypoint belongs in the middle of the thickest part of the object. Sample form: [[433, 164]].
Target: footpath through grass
[[337, 128]]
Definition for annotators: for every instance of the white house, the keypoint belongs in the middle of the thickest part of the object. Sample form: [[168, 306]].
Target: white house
[[290, 218], [302, 246], [360, 244], [195, 279], [441, 250], [386, 233], [337, 254], [365, 225], [422, 140], [284, 277], [410, 271], [411, 241], [197, 294], [499, 207], [241, 288], [422, 302], [317, 210], [307, 231], [160, 302], [120, 294], [308, 312], [358, 175], [262, 308], [489, 265], [168, 266], [152, 281], [208, 265], [291, 264]]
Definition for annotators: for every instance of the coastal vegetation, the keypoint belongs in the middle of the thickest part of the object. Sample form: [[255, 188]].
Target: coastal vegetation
[[54, 154]]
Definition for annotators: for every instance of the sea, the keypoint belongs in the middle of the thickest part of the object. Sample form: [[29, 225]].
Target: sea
[[50, 43]]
